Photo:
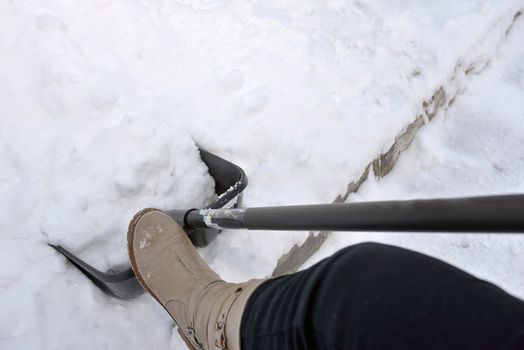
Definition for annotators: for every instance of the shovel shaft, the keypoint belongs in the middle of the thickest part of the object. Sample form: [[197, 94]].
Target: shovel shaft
[[504, 214]]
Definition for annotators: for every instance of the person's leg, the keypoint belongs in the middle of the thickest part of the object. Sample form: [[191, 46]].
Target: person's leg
[[373, 296]]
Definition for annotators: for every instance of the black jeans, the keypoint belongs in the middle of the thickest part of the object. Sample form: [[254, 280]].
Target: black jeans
[[374, 296]]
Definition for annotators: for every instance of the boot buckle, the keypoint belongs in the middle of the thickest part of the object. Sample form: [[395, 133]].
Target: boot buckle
[[191, 337], [220, 337]]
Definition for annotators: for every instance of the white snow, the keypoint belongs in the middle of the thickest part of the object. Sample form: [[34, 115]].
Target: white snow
[[101, 104], [476, 149]]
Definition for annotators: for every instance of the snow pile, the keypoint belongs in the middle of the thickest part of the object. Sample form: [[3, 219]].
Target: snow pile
[[101, 103], [475, 149], [70, 182]]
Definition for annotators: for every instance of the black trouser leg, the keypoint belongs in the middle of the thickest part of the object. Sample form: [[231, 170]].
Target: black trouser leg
[[373, 296]]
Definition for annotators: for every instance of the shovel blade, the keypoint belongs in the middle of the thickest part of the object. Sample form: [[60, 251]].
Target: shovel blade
[[230, 181]]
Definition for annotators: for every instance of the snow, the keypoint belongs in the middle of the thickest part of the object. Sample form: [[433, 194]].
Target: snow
[[101, 104], [475, 149]]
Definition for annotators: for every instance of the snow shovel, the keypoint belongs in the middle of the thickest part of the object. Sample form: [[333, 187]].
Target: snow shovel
[[493, 214], [230, 181]]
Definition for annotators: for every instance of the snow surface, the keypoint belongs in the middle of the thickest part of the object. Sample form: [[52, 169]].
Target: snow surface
[[477, 148], [101, 103]]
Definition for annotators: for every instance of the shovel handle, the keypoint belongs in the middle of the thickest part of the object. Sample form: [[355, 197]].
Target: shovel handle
[[492, 214]]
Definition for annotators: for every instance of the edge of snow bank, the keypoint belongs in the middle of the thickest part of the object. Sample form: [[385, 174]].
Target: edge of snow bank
[[475, 60]]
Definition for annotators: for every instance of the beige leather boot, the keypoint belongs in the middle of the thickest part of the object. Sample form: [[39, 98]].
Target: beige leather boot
[[206, 309]]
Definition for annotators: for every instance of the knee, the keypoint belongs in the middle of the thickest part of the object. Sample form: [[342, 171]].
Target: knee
[[359, 260], [364, 249]]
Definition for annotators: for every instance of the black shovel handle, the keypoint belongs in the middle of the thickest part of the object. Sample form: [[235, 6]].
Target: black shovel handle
[[502, 214]]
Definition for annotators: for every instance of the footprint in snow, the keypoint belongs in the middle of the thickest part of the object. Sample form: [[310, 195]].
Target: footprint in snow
[[254, 101], [102, 98], [49, 22], [234, 80]]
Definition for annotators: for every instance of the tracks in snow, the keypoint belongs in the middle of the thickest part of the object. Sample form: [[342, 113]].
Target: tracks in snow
[[474, 61]]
